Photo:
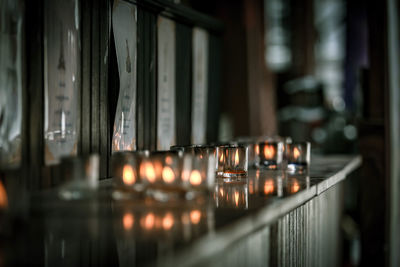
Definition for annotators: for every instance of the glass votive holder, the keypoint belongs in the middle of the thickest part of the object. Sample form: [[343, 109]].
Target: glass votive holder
[[298, 157], [125, 172], [199, 171], [271, 154], [235, 162], [163, 172], [80, 176]]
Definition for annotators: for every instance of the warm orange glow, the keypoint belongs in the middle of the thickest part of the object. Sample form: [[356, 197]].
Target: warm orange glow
[[148, 221], [128, 220], [128, 176], [221, 192], [3, 197], [269, 152], [168, 160], [195, 177], [168, 221], [269, 187], [251, 188], [295, 187], [296, 153], [257, 149], [237, 157], [221, 158], [195, 216], [237, 198], [168, 175], [147, 171]]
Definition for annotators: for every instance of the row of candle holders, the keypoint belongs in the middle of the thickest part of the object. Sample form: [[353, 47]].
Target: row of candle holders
[[184, 171]]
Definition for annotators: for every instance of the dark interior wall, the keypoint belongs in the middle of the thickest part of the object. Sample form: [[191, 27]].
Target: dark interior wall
[[100, 83]]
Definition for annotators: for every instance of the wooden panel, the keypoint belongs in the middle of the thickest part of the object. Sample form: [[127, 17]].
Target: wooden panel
[[34, 18], [146, 80], [105, 143], [214, 88], [95, 79], [183, 83]]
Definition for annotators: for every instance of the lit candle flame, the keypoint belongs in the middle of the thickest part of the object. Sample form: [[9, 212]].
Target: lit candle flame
[[3, 197], [269, 152], [168, 175], [195, 216], [168, 221], [237, 198], [128, 220], [269, 187], [257, 149], [128, 176], [147, 171], [237, 157], [195, 177], [296, 153], [148, 221], [221, 158]]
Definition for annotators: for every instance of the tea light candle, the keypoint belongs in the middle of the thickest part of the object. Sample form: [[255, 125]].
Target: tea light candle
[[299, 157], [125, 170], [235, 162], [271, 154]]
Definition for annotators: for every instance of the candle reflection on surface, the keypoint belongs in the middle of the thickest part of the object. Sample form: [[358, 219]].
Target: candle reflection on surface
[[168, 175], [168, 221], [295, 186], [269, 152], [237, 199], [128, 175], [195, 216], [128, 220], [269, 186]]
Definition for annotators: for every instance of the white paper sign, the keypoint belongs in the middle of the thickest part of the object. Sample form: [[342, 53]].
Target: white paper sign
[[11, 16], [166, 84], [199, 84], [62, 61], [124, 27]]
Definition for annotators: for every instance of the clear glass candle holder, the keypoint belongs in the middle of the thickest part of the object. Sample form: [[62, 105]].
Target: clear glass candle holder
[[299, 157], [253, 152], [271, 154], [199, 171], [125, 171], [235, 162], [80, 176]]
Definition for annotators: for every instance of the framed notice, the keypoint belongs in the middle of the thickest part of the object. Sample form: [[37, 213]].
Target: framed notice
[[62, 79], [166, 130], [125, 28], [199, 85]]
